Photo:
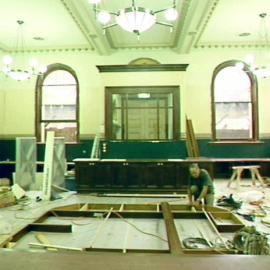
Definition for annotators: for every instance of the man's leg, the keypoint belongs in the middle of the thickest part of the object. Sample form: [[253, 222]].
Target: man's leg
[[209, 199]]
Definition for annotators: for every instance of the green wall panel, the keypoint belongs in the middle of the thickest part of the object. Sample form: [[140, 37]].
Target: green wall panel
[[7, 150], [148, 150], [144, 150]]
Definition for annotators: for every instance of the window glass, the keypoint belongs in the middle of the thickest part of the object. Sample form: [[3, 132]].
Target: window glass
[[142, 114], [58, 104], [232, 84], [234, 106]]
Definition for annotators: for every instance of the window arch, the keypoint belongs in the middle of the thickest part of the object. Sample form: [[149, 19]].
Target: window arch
[[57, 103], [144, 61], [234, 102]]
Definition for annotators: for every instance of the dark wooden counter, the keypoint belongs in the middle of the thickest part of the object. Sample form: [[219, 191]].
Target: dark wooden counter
[[157, 176]]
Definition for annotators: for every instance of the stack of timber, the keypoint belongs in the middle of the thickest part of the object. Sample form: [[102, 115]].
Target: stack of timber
[[191, 143], [7, 199]]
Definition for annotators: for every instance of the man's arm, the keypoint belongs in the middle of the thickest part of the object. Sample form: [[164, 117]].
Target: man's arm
[[203, 194], [189, 196], [189, 190]]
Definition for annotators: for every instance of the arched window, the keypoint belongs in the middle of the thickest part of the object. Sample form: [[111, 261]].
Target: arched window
[[57, 103], [234, 102]]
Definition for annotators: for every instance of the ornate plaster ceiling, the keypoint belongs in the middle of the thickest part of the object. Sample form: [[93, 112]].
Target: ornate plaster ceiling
[[52, 25]]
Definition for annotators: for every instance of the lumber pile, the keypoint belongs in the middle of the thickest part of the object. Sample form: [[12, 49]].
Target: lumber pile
[[191, 143], [6, 198]]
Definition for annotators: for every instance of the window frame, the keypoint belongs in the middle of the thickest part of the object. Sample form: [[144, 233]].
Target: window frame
[[254, 102], [109, 91], [38, 98]]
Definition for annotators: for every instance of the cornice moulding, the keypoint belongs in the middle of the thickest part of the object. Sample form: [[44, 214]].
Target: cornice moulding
[[142, 68]]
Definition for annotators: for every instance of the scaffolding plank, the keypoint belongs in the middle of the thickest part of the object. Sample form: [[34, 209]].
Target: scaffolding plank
[[173, 239]]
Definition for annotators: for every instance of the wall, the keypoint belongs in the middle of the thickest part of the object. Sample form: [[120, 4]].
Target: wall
[[199, 75], [147, 150], [20, 120], [17, 99], [2, 111]]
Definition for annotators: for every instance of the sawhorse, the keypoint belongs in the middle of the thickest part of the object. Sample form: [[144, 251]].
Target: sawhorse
[[237, 171]]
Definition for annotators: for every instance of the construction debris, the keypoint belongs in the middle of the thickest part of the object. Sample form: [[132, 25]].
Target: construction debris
[[229, 201], [251, 242], [7, 199]]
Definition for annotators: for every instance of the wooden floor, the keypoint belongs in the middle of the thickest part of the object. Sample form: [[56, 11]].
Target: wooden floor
[[39, 259], [70, 261]]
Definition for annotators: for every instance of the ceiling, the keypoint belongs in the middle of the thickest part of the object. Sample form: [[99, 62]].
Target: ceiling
[[52, 25]]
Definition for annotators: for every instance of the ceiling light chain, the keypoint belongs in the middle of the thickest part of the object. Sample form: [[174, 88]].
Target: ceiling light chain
[[21, 73], [134, 19], [262, 71]]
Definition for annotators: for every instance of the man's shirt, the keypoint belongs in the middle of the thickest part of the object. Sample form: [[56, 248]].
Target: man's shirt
[[202, 180]]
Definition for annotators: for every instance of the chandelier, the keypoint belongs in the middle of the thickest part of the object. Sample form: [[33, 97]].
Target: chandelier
[[134, 19], [21, 72], [261, 71]]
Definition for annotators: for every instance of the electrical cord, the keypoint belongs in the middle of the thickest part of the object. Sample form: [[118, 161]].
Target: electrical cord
[[138, 229], [73, 220], [118, 215], [195, 243]]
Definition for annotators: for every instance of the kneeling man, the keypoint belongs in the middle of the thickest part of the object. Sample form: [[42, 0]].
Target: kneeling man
[[200, 186]]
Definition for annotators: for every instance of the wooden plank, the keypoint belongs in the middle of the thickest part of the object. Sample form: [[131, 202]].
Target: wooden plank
[[129, 250], [84, 207], [173, 239], [192, 144], [74, 213], [7, 199], [95, 152], [48, 166], [55, 246], [147, 206], [193, 140], [142, 195], [226, 222], [104, 206], [103, 261], [188, 140], [50, 227], [100, 227], [141, 214], [44, 240], [215, 229], [189, 215], [140, 207], [121, 207], [10, 245], [125, 214]]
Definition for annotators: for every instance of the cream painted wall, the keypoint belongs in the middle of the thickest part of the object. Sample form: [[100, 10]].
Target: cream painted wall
[[2, 111], [198, 95], [19, 103], [19, 115], [17, 99], [264, 108], [148, 79]]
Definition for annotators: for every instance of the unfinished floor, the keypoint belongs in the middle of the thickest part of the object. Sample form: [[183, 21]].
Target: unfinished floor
[[116, 233]]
